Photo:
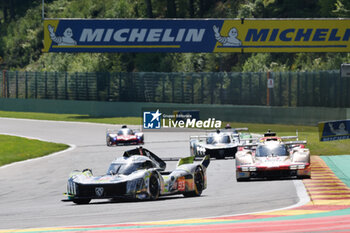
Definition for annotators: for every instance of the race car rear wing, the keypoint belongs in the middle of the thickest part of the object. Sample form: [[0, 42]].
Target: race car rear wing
[[241, 129], [288, 143], [200, 137], [304, 142], [273, 134], [227, 130], [116, 130], [289, 137]]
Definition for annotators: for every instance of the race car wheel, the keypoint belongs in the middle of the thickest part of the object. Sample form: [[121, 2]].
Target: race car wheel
[[198, 177], [81, 201], [154, 187], [108, 141]]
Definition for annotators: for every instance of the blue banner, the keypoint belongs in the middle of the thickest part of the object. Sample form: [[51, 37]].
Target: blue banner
[[334, 130], [196, 35], [67, 35]]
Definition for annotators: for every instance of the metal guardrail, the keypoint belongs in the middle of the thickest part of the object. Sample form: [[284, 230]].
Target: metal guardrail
[[321, 88]]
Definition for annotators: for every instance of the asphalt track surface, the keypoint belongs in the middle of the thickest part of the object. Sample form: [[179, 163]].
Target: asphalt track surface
[[31, 191]]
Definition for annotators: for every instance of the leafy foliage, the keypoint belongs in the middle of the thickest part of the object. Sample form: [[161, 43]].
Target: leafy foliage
[[22, 34]]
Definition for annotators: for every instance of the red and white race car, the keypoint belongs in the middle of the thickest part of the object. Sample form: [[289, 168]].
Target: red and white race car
[[124, 136], [272, 156]]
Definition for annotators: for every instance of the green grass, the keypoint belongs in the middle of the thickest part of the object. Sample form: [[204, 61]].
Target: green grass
[[14, 149], [72, 117], [308, 133]]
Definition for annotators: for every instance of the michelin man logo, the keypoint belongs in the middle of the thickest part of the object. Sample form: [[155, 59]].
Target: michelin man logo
[[227, 41], [66, 39], [341, 130]]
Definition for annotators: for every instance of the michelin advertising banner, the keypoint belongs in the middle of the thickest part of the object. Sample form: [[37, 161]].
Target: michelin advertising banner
[[334, 130], [202, 35]]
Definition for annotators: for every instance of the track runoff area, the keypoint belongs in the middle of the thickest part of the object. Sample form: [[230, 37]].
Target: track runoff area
[[327, 211]]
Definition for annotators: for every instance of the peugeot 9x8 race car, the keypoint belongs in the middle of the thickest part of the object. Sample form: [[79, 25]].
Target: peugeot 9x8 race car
[[216, 144], [273, 157], [139, 174], [124, 136]]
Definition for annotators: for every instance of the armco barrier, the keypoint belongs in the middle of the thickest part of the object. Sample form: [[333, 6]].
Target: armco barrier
[[236, 113]]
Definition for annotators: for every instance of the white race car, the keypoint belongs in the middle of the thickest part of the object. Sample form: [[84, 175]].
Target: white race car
[[216, 144], [272, 156]]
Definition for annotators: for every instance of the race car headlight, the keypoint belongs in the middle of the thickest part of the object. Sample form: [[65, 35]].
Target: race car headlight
[[252, 169], [134, 185], [302, 166], [293, 167], [201, 149], [71, 187]]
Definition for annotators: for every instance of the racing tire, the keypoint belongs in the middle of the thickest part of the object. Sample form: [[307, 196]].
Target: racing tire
[[154, 187], [82, 201], [108, 142], [198, 178]]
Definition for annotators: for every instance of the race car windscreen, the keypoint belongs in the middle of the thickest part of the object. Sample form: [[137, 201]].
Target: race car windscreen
[[125, 132], [266, 150], [218, 139], [128, 168]]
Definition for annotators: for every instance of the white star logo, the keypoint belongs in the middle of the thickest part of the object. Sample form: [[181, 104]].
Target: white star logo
[[156, 115]]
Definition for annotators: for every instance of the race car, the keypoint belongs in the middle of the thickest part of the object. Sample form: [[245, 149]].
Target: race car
[[216, 144], [139, 174], [237, 133], [274, 157], [124, 136]]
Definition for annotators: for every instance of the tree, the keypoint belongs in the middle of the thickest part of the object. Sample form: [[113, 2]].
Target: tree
[[149, 8], [171, 9]]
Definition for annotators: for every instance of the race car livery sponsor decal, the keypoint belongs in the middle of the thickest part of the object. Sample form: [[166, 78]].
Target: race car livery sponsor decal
[[200, 35], [334, 130], [181, 184]]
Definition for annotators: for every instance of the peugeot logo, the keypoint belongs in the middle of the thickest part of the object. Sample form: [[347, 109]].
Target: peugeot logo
[[99, 191]]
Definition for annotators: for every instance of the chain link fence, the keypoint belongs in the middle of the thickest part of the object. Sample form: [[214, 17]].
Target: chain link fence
[[322, 88]]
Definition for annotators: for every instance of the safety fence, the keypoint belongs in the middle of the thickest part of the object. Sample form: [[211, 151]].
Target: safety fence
[[321, 88]]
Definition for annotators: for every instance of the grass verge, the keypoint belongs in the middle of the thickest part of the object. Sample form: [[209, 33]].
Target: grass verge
[[13, 149]]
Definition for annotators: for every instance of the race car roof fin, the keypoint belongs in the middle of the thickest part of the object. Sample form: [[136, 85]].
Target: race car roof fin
[[269, 134], [143, 151]]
